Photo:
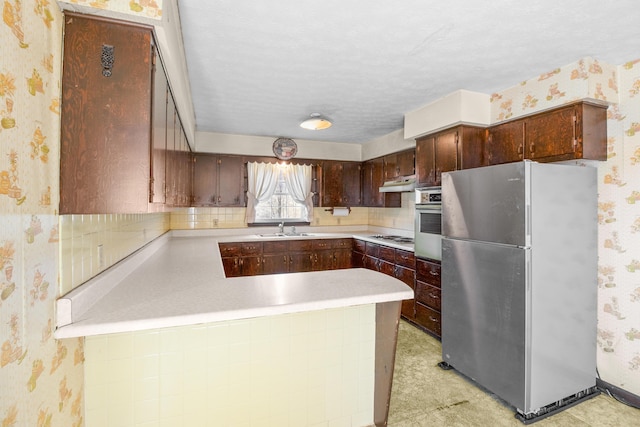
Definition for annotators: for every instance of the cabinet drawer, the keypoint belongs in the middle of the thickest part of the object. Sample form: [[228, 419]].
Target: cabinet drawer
[[372, 249], [428, 295], [252, 248], [387, 268], [407, 275], [275, 247], [429, 272], [229, 249], [359, 245], [405, 258], [322, 244], [342, 243], [387, 253], [300, 245], [428, 318]]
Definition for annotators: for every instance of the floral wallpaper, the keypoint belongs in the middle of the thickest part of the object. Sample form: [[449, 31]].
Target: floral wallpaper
[[618, 335], [41, 379]]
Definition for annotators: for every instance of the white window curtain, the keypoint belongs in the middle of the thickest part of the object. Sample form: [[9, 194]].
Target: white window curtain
[[262, 181], [298, 179]]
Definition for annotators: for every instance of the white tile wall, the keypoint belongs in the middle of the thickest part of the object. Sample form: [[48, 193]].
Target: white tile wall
[[305, 369]]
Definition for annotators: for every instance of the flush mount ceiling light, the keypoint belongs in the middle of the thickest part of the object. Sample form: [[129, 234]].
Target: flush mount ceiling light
[[315, 122]]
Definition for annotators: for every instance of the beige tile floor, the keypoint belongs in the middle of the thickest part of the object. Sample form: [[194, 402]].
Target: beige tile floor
[[423, 395]]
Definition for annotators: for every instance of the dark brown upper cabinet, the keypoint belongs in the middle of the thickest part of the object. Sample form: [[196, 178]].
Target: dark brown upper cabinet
[[399, 164], [575, 131], [341, 183], [448, 150], [105, 161], [218, 180], [372, 179]]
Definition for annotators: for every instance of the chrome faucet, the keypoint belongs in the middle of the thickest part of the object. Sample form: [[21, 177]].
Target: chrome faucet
[[281, 227]]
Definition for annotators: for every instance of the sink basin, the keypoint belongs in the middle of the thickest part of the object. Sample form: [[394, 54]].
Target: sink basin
[[285, 235]]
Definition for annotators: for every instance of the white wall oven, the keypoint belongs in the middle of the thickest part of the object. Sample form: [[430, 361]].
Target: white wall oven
[[428, 223]]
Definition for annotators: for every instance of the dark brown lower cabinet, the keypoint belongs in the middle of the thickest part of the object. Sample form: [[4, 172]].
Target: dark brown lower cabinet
[[284, 256], [428, 295]]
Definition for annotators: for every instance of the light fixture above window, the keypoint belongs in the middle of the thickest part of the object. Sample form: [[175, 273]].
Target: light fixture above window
[[315, 122]]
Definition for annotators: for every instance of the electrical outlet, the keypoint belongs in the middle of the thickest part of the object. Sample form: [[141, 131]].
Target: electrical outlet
[[101, 263], [214, 222]]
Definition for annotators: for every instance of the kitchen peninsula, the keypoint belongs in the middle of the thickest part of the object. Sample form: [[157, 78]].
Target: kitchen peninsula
[[314, 347]]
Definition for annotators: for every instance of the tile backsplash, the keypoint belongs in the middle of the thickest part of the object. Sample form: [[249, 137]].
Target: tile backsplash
[[89, 244]]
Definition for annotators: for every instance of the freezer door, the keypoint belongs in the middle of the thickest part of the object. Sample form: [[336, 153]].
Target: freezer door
[[487, 204], [484, 307]]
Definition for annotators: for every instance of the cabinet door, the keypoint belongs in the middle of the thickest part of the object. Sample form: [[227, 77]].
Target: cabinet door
[[372, 180], [251, 265], [406, 163], [159, 145], [505, 143], [322, 260], [551, 134], [390, 167], [232, 266], [300, 261], [332, 183], [357, 259], [205, 177], [407, 275], [426, 161], [446, 154], [230, 181], [342, 258], [275, 263], [171, 189], [105, 150], [351, 184]]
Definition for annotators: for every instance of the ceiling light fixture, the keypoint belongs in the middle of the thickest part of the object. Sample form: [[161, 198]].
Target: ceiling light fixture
[[315, 122]]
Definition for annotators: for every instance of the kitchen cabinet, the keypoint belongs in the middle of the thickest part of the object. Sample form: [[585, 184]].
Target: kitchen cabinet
[[457, 148], [285, 256], [275, 257], [218, 180], [341, 183], [241, 259], [118, 122], [105, 162], [391, 261], [428, 296], [372, 180], [399, 164], [575, 131], [159, 142]]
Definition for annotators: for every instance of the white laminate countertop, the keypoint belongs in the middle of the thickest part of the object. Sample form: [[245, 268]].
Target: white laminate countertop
[[178, 279]]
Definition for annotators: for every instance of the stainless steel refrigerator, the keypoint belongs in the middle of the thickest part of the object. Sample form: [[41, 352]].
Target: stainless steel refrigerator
[[519, 282]]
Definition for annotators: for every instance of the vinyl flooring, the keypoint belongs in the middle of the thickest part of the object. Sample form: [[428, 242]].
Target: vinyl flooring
[[424, 395]]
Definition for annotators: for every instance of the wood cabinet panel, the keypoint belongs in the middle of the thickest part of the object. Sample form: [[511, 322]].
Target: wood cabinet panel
[[341, 183], [300, 261], [505, 143], [405, 258], [428, 318], [275, 263], [218, 180], [428, 271], [105, 163], [159, 137], [452, 149], [428, 295], [372, 179], [575, 131]]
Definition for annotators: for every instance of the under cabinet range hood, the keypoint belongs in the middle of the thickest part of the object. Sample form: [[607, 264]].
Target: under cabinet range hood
[[401, 184]]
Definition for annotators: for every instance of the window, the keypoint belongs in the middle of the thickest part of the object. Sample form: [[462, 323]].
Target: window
[[279, 192], [280, 206]]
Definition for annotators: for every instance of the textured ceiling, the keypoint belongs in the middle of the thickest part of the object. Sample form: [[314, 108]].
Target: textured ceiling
[[261, 67]]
